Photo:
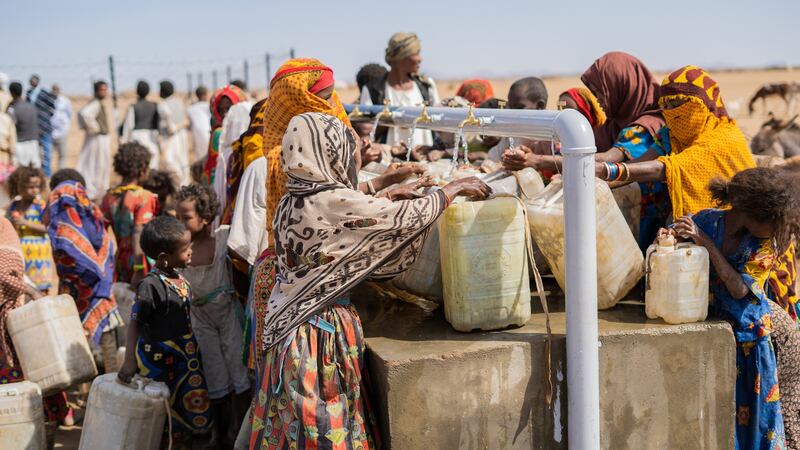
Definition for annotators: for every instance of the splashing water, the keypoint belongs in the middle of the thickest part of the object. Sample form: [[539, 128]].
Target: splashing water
[[374, 128], [512, 142], [465, 147], [410, 142], [457, 148]]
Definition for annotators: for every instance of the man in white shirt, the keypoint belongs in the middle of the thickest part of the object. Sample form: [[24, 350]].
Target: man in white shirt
[[94, 162], [62, 116], [404, 86], [200, 122], [248, 235]]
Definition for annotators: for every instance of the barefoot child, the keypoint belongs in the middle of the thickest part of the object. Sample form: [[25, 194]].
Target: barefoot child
[[161, 332], [215, 319], [26, 214], [129, 207]]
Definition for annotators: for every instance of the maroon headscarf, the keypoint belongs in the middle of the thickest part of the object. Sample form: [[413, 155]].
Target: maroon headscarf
[[628, 93]]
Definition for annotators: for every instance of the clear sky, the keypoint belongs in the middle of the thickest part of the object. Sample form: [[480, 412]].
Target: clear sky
[[69, 41]]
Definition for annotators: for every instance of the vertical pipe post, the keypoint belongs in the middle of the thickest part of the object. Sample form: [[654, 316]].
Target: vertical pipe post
[[583, 377], [214, 79], [246, 69], [113, 80]]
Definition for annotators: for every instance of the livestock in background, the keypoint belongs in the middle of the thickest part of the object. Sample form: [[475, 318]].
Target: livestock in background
[[787, 91], [777, 138]]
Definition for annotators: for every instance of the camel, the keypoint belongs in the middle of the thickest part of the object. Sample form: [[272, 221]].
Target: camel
[[787, 91]]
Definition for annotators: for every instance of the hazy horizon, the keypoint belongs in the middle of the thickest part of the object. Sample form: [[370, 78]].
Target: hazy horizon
[[68, 43]]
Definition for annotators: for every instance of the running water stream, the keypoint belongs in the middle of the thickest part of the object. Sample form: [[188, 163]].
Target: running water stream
[[410, 142], [374, 128]]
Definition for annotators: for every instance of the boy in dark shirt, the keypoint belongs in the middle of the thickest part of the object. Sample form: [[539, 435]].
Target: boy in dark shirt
[[26, 121]]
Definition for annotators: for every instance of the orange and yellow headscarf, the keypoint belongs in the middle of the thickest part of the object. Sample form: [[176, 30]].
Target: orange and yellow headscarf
[[705, 142], [291, 95]]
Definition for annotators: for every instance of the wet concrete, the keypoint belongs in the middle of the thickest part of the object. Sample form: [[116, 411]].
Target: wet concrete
[[662, 386]]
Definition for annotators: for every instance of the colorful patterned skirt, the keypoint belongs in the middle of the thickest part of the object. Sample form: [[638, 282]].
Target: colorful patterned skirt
[[38, 260], [759, 421], [263, 280], [313, 388], [176, 363]]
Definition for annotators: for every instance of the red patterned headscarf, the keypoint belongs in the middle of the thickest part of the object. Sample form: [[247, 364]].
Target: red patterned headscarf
[[232, 93], [476, 91]]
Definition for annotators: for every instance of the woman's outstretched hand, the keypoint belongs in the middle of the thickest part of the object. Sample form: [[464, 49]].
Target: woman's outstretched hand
[[471, 187], [685, 228]]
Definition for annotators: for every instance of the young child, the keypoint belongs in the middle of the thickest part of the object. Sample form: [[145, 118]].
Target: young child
[[215, 319], [26, 213], [160, 330], [128, 207], [163, 184]]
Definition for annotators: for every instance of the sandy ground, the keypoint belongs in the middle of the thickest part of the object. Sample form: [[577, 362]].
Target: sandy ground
[[737, 88]]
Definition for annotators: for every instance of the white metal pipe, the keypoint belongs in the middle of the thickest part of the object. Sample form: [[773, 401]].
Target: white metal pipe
[[578, 148]]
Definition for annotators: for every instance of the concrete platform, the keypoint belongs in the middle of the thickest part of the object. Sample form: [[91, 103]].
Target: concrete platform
[[662, 386]]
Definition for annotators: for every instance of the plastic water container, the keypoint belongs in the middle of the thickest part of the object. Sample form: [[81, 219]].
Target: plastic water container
[[121, 416], [21, 416], [125, 299], [677, 282], [620, 263], [424, 277], [484, 264], [629, 200], [525, 183], [51, 344]]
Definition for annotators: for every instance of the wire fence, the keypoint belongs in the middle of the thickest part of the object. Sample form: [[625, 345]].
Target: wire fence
[[77, 77]]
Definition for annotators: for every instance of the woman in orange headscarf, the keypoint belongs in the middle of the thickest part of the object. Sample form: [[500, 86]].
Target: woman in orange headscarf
[[221, 102]]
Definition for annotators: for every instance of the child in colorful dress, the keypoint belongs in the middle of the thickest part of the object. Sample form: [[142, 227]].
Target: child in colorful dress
[[26, 213], [160, 330], [129, 207], [215, 313]]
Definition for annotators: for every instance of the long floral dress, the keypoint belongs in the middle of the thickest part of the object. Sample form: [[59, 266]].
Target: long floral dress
[[759, 419]]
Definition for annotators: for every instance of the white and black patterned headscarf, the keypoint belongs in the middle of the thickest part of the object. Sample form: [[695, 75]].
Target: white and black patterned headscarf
[[329, 236]]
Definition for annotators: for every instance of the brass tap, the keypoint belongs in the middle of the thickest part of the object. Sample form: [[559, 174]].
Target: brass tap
[[386, 113], [470, 120], [355, 113], [562, 105], [424, 117]]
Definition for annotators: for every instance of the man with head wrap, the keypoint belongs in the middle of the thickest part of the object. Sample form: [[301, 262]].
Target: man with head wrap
[[404, 86]]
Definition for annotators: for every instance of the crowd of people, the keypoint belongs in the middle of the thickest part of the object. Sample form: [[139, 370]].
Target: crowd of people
[[242, 224]]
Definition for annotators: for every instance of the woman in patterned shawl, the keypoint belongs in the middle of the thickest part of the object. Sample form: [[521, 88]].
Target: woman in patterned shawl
[[84, 256], [743, 242], [329, 237]]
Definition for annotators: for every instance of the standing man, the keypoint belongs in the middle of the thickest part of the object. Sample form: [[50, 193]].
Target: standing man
[[94, 161], [62, 116], [5, 97], [200, 122], [26, 121], [45, 104], [175, 139]]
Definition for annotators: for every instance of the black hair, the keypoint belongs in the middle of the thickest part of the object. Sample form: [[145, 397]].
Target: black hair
[[15, 89], [205, 200], [369, 74], [765, 194], [131, 159], [201, 91], [98, 84], [161, 183], [20, 177], [240, 84], [166, 89], [142, 89], [63, 175], [532, 88], [161, 235], [493, 103], [197, 170]]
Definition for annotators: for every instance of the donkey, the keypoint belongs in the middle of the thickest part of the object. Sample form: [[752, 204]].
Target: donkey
[[777, 138]]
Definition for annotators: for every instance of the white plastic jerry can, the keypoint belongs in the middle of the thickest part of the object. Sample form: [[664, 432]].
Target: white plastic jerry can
[[677, 282], [424, 277], [484, 264], [620, 263], [51, 344], [21, 416], [121, 416]]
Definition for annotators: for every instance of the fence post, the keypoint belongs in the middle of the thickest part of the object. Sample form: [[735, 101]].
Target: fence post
[[246, 73], [214, 79], [228, 73], [268, 69], [189, 85], [113, 80], [199, 78], [291, 53]]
